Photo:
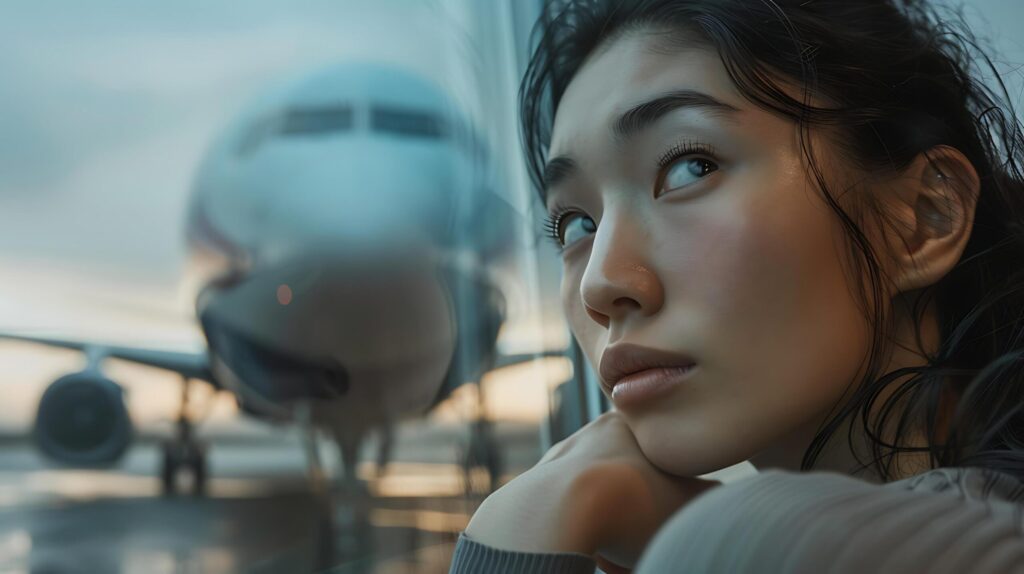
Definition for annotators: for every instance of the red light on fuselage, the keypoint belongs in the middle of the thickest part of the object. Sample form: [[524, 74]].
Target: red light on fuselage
[[284, 294]]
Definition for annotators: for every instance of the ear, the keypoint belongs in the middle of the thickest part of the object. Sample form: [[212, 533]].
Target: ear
[[933, 202]]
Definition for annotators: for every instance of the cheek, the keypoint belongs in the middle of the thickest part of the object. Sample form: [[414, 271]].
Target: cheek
[[762, 299], [767, 296]]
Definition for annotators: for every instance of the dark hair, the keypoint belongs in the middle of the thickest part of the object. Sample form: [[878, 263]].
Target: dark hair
[[898, 79]]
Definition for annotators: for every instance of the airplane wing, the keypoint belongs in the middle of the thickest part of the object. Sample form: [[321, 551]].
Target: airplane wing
[[517, 359], [191, 365]]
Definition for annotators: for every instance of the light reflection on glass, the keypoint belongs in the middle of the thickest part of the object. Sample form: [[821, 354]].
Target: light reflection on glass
[[15, 547]]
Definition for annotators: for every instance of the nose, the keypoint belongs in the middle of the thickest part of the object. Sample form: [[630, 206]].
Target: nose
[[619, 282]]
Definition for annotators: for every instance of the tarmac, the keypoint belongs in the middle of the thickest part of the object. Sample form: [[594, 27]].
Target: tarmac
[[261, 513]]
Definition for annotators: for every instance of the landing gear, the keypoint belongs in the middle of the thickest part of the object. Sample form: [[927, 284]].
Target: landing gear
[[481, 455], [184, 453], [387, 443], [315, 468], [349, 444], [183, 456]]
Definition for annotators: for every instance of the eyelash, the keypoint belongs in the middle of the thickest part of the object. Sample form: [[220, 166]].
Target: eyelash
[[686, 147], [553, 220]]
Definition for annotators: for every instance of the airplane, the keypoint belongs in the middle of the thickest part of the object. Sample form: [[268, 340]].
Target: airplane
[[343, 229]]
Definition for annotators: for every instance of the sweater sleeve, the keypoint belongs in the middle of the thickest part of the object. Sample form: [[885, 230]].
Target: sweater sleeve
[[472, 557], [942, 521]]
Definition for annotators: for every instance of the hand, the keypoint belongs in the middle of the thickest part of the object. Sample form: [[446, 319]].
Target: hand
[[593, 493]]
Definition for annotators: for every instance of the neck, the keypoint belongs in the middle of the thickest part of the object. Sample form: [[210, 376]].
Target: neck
[[838, 455]]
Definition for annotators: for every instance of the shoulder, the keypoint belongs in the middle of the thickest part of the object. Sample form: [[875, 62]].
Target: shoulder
[[783, 520], [792, 491], [967, 483], [971, 483]]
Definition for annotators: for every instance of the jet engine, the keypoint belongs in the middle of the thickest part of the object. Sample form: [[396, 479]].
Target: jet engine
[[83, 421]]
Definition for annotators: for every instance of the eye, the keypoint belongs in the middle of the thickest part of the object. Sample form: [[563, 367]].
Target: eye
[[685, 172], [575, 226], [571, 227], [684, 164]]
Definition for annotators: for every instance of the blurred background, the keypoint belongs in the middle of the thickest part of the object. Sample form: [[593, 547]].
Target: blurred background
[[273, 283]]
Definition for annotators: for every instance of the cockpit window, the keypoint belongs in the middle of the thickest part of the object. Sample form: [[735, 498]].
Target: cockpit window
[[328, 120], [321, 120], [406, 122], [305, 121]]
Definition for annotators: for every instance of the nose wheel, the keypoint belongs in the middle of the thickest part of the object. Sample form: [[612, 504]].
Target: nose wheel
[[183, 458], [183, 454]]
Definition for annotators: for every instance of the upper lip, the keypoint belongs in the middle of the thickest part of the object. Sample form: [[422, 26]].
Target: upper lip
[[624, 359]]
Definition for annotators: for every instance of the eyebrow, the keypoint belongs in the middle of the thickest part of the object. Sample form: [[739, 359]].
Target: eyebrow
[[558, 170], [638, 118], [642, 115]]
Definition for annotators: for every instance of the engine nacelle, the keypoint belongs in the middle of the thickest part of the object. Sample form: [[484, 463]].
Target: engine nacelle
[[83, 421]]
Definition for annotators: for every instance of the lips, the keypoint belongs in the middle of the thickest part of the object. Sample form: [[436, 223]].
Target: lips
[[624, 359]]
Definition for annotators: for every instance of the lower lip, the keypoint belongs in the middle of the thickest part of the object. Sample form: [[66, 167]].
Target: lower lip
[[645, 386]]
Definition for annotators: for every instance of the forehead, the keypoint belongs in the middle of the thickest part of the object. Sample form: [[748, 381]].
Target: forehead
[[626, 71]]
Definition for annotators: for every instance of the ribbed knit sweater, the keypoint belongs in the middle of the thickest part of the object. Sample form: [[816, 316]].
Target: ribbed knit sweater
[[947, 520]]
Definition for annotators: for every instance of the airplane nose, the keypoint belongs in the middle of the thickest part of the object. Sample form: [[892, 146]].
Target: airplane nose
[[363, 201]]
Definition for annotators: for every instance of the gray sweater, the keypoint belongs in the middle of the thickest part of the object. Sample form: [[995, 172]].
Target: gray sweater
[[948, 520]]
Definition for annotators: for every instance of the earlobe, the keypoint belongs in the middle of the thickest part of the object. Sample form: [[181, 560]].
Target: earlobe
[[936, 199]]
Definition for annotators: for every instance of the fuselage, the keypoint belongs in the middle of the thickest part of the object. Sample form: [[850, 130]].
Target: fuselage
[[339, 233]]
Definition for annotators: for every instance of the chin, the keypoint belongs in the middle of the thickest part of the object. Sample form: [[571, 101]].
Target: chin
[[684, 453]]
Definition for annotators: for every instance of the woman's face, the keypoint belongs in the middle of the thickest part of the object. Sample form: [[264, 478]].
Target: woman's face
[[696, 230]]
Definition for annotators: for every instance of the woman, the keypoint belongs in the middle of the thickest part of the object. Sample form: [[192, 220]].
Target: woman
[[791, 234]]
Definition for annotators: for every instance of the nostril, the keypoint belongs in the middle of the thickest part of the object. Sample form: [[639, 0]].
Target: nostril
[[626, 303], [598, 317]]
